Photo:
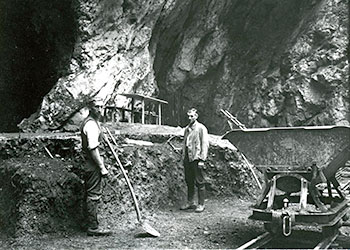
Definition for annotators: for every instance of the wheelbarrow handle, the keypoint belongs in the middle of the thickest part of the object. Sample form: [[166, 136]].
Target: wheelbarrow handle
[[136, 205]]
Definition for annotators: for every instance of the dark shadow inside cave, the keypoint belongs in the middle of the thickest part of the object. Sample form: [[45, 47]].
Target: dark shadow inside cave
[[36, 44]]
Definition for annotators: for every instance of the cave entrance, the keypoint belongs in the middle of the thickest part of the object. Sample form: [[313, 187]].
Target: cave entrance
[[37, 41]]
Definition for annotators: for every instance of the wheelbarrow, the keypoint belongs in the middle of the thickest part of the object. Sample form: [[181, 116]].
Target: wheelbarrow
[[297, 162]]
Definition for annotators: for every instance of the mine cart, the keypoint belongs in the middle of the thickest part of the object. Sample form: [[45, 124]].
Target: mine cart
[[299, 166]]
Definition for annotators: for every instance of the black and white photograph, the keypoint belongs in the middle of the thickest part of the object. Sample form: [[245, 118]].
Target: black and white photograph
[[174, 124]]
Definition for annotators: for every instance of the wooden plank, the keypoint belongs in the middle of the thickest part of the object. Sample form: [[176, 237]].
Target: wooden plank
[[140, 97], [119, 108]]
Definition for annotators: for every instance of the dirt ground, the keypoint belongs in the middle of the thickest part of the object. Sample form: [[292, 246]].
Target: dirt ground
[[223, 225]]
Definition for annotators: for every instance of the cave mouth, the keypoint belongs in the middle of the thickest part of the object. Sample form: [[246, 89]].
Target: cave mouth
[[37, 41]]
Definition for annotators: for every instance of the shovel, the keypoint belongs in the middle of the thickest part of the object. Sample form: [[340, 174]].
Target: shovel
[[146, 227]]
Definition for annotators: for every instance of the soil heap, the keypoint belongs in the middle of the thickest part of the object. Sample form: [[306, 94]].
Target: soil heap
[[40, 194]]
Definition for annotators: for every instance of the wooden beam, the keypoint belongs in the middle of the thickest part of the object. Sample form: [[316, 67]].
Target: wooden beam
[[140, 97]]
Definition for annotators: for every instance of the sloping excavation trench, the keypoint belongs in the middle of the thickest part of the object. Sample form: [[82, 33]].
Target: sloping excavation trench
[[42, 197]]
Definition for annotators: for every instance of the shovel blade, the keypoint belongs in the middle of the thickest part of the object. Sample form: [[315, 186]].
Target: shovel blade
[[150, 230]]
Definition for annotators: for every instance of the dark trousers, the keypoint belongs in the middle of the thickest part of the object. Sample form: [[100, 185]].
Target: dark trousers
[[194, 176], [93, 193]]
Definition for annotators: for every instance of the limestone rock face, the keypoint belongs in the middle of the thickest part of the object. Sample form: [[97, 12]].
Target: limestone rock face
[[270, 62], [110, 57]]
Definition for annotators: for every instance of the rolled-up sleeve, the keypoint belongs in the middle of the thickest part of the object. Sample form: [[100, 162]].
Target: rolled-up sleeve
[[91, 130]]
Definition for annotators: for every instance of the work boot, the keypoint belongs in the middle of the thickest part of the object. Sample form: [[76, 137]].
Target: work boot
[[188, 206], [200, 209], [91, 213], [98, 232]]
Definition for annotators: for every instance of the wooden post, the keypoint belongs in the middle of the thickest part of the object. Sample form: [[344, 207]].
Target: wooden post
[[329, 188], [123, 114], [143, 111], [104, 114], [112, 113], [159, 114], [132, 111]]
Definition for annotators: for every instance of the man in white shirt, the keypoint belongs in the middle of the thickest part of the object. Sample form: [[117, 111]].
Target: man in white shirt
[[94, 169]]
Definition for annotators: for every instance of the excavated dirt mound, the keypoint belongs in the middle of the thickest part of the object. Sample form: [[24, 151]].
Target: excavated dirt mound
[[40, 195], [41, 198]]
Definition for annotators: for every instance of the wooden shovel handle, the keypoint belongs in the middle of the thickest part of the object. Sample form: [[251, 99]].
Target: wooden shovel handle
[[136, 205]]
